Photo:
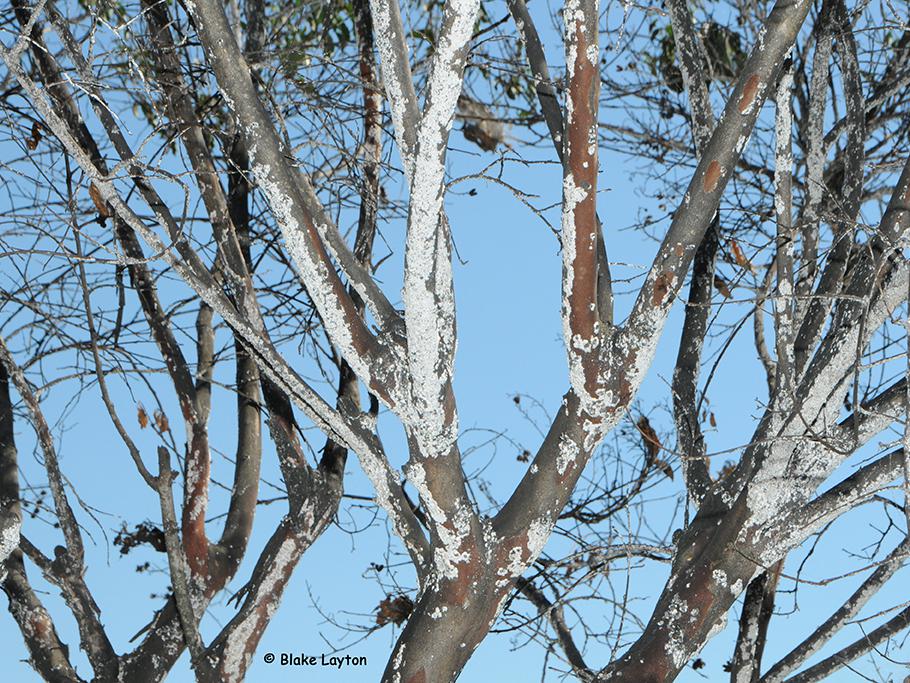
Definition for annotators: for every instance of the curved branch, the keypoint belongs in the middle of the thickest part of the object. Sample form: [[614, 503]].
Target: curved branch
[[637, 341], [833, 624], [691, 444], [370, 360], [858, 648], [557, 619]]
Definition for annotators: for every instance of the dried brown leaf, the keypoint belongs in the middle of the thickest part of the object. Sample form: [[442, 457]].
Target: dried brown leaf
[[395, 610], [142, 416], [161, 422], [32, 141], [721, 286], [145, 533], [649, 438], [664, 467], [98, 201], [740, 257]]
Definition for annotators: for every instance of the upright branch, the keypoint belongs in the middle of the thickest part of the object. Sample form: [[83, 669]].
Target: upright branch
[[180, 579], [397, 78], [784, 308], [428, 292], [548, 100], [48, 654], [547, 96], [690, 440], [430, 415], [813, 124], [10, 509], [715, 168], [570, 441], [584, 334], [68, 523], [844, 201], [69, 571], [370, 360], [690, 53], [758, 601]]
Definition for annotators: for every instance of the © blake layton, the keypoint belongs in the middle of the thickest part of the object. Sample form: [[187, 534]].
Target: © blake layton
[[335, 661]]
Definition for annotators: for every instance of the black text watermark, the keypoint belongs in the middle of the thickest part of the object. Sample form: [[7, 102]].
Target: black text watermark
[[320, 660]]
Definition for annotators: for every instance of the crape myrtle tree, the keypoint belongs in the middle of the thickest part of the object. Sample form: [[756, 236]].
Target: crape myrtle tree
[[207, 219]]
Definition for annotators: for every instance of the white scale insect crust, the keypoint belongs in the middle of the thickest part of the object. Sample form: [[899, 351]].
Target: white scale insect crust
[[313, 273], [720, 577], [451, 536], [382, 26], [200, 500], [428, 296], [236, 658], [538, 533], [514, 568], [677, 640], [568, 453], [9, 541]]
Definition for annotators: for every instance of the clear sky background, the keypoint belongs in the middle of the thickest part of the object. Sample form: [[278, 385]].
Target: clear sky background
[[508, 297]]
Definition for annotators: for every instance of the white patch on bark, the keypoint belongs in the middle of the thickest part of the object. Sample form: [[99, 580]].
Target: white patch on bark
[[9, 541], [395, 90], [676, 636], [236, 657], [452, 533], [720, 577], [538, 533], [568, 453], [313, 271], [428, 294]]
